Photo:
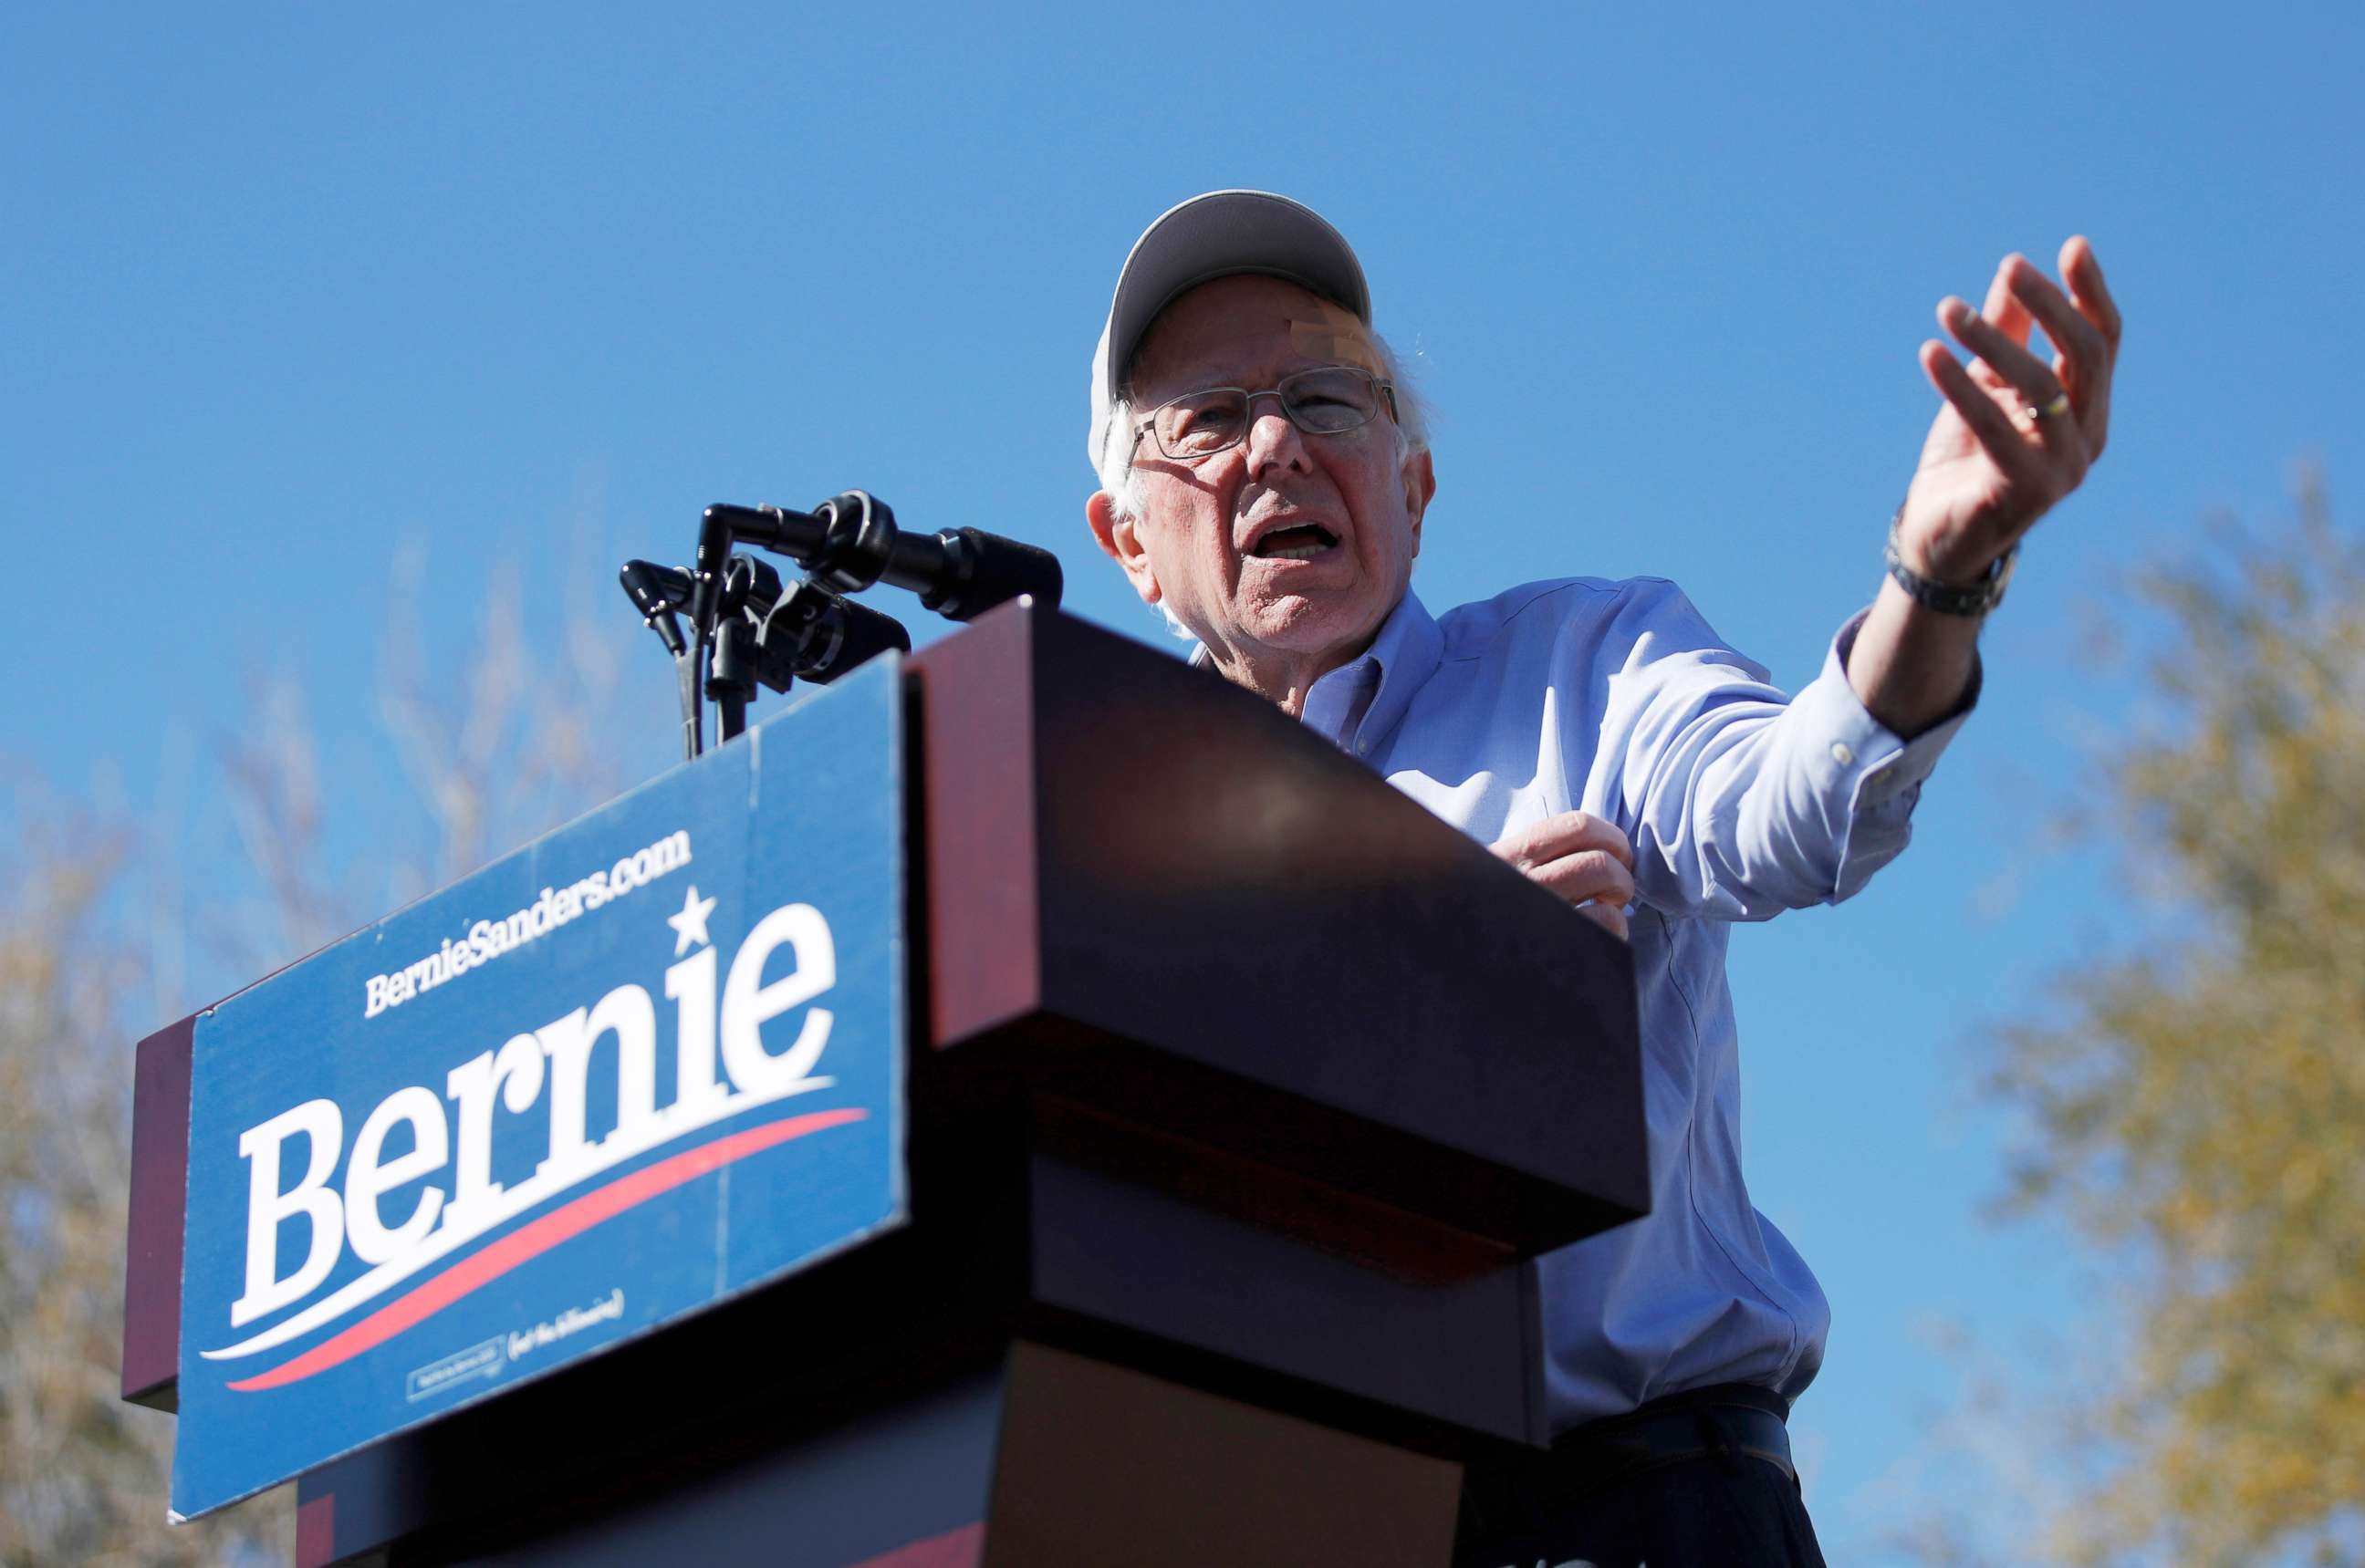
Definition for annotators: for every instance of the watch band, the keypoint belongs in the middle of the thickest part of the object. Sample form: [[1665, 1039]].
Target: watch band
[[1977, 599]]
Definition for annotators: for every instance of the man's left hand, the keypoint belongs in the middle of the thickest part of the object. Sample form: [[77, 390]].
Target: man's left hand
[[1582, 858], [2016, 435]]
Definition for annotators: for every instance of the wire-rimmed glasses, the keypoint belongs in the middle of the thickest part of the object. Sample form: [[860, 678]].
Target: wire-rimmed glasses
[[1331, 400]]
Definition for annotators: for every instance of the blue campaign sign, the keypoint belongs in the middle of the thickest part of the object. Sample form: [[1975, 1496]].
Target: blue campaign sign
[[637, 1067]]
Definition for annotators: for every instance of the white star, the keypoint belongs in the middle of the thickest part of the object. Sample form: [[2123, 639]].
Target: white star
[[689, 926]]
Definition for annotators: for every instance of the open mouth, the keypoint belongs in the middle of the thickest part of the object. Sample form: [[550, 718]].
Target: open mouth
[[1301, 541]]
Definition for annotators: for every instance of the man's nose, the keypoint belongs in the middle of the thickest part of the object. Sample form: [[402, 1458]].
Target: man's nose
[[1274, 442]]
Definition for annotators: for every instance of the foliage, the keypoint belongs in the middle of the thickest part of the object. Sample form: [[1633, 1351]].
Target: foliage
[[81, 1475], [2201, 1105], [85, 967]]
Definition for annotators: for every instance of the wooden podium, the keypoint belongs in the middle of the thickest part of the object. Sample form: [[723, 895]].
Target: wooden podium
[[1240, 1087]]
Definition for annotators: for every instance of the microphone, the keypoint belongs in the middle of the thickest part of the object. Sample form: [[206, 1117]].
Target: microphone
[[802, 631], [851, 542], [813, 634], [656, 592]]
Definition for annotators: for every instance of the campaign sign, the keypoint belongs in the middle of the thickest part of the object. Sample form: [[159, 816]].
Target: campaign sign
[[637, 1067]]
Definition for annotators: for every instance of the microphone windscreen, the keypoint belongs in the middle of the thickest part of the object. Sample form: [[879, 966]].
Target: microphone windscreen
[[1000, 570]]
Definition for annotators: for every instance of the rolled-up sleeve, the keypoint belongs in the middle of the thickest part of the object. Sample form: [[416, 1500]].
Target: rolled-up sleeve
[[1741, 802]]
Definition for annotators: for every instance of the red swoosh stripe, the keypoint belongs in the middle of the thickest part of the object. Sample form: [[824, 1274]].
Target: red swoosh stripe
[[531, 1242]]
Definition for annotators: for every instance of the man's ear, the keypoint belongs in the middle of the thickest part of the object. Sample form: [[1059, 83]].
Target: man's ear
[[1119, 537], [1421, 487]]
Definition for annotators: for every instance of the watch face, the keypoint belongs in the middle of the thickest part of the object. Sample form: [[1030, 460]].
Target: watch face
[[2004, 567]]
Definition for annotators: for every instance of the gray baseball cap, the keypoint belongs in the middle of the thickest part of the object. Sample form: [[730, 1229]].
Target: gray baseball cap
[[1217, 235]]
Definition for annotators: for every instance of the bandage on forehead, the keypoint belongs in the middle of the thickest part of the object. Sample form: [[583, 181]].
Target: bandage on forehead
[[1328, 340]]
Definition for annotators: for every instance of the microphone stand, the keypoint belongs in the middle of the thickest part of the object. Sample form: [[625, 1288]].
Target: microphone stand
[[656, 592], [763, 633], [746, 630], [731, 676]]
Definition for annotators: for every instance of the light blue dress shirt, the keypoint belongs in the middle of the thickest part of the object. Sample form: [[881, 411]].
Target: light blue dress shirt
[[1616, 698]]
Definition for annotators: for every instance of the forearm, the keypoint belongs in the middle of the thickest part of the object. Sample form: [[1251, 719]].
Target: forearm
[[1910, 666]]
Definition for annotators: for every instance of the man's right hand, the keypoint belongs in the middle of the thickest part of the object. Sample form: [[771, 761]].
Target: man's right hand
[[1583, 858]]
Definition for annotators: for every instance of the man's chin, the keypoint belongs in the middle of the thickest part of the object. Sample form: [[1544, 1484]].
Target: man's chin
[[1311, 621]]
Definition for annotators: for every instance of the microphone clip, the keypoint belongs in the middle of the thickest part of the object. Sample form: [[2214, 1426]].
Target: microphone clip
[[857, 539]]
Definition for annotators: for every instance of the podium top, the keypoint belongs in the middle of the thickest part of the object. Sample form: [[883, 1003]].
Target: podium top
[[1147, 889]]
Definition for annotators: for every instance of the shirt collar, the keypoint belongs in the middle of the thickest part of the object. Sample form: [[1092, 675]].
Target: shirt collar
[[1406, 652], [1360, 700], [1403, 656]]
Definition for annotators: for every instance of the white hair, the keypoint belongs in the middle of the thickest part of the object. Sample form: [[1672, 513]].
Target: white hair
[[1118, 447]]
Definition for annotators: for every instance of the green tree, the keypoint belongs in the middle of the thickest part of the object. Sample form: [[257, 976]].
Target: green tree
[[2199, 1107]]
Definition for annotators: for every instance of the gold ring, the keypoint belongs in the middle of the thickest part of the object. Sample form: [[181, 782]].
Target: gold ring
[[2059, 405]]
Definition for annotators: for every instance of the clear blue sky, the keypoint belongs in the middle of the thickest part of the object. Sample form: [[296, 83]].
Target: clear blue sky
[[287, 290]]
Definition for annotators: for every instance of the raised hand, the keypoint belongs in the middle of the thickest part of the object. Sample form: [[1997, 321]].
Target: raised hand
[[2016, 434]]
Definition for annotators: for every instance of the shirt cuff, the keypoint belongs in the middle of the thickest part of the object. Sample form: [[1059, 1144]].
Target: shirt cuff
[[1861, 759]]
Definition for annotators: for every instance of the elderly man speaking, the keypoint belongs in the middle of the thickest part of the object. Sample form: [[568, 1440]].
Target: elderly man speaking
[[1265, 478]]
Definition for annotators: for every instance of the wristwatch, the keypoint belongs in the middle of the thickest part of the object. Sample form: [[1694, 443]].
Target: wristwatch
[[1975, 599]]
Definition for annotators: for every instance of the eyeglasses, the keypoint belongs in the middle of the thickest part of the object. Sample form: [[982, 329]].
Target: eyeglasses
[[1329, 401]]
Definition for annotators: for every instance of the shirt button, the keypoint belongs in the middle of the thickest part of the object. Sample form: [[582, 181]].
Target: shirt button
[[1362, 748], [1843, 753]]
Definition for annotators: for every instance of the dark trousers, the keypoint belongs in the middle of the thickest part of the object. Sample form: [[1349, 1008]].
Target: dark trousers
[[1685, 1483]]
